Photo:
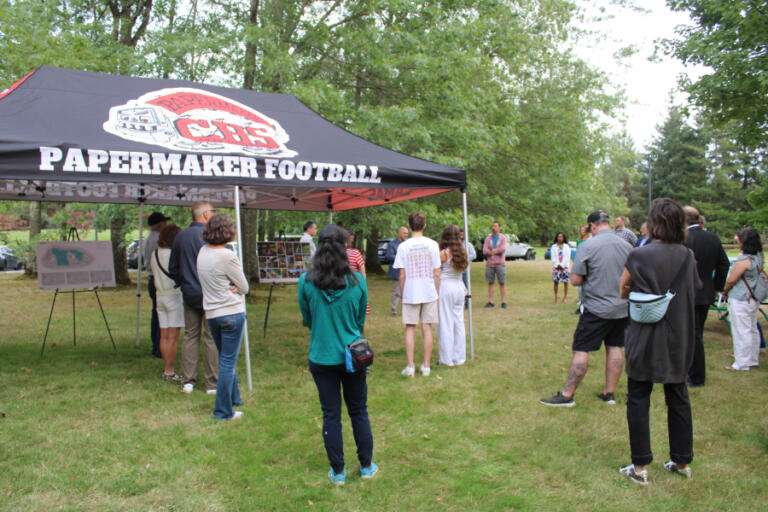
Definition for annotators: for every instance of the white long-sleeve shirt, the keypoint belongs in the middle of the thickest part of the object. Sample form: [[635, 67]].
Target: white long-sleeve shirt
[[554, 253], [218, 269]]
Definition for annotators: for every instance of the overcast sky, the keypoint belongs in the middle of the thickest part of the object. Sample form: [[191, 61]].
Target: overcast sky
[[647, 84]]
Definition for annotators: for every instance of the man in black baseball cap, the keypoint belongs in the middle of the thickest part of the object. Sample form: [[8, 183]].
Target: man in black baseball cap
[[156, 223]]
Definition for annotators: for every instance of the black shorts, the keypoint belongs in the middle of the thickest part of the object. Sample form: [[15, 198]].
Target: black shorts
[[592, 330]]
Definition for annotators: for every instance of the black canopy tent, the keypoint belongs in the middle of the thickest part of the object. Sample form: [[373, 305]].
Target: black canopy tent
[[77, 136]]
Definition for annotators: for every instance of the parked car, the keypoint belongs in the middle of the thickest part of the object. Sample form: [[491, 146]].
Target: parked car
[[132, 255], [9, 260], [517, 250], [382, 250], [547, 254]]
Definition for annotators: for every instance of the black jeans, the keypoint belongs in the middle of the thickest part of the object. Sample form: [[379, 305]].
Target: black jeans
[[328, 379], [679, 422], [697, 373], [154, 330]]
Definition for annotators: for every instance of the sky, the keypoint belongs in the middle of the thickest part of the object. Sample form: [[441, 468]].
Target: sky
[[647, 84]]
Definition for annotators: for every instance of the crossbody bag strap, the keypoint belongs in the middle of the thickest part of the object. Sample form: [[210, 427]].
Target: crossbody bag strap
[[743, 278], [680, 273], [160, 266]]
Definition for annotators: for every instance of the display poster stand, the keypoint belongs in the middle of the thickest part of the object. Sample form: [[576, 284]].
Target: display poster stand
[[72, 236], [280, 238]]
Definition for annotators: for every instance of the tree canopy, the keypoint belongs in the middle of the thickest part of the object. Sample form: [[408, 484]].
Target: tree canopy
[[731, 38]]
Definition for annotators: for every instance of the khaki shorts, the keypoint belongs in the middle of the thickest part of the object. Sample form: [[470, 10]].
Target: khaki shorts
[[425, 313]]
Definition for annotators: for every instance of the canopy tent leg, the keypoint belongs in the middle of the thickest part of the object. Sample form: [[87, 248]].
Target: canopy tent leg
[[240, 255], [138, 276], [469, 277]]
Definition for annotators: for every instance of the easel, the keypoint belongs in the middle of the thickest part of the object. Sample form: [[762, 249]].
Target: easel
[[71, 237], [280, 237]]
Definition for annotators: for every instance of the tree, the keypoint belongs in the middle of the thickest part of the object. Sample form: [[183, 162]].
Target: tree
[[729, 36]]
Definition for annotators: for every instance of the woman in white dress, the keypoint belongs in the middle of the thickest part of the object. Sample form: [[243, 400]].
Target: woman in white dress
[[170, 308], [560, 253], [452, 337]]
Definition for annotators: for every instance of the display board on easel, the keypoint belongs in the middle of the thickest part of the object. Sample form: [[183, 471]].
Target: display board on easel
[[75, 265], [78, 266], [283, 261]]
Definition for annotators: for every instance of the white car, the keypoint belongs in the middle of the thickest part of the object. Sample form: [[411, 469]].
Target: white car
[[518, 250]]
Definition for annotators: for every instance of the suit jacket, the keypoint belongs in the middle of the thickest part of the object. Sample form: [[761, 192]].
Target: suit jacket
[[710, 259]]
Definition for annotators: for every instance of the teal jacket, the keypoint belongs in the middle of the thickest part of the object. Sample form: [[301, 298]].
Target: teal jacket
[[334, 318]]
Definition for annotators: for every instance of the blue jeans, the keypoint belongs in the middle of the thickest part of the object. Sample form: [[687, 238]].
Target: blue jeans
[[227, 333], [328, 380]]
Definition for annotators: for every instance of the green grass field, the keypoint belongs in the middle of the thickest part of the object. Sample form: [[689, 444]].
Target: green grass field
[[88, 428]]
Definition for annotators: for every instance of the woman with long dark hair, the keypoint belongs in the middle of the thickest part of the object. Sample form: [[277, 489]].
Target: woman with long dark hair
[[223, 284], [333, 300], [661, 352], [560, 254], [452, 337], [742, 304]]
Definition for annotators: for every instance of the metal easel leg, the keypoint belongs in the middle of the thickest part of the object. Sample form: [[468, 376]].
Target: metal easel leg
[[105, 319], [49, 322]]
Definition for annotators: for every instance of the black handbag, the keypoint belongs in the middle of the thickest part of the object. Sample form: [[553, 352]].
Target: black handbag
[[359, 355]]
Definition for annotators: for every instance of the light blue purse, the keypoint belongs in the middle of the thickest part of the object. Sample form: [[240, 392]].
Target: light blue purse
[[649, 308]]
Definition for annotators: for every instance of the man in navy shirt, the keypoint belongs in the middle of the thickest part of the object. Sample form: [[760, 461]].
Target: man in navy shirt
[[394, 273], [183, 268]]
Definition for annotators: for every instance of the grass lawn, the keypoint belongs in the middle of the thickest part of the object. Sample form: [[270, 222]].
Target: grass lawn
[[88, 428]]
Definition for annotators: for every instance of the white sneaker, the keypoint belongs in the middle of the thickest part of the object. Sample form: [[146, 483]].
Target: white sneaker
[[237, 415], [187, 388], [210, 391], [424, 370], [408, 371]]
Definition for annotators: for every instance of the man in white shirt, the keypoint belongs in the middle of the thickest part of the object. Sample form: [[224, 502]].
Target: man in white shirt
[[418, 261], [310, 230]]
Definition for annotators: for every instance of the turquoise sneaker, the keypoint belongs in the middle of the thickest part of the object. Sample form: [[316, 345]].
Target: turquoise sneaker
[[337, 478], [369, 472]]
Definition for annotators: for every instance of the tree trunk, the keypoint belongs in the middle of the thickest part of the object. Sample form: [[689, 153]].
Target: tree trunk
[[118, 249], [250, 231], [35, 226], [249, 72], [263, 225], [372, 265]]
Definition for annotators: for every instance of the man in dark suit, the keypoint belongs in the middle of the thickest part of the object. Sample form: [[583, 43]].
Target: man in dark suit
[[710, 258]]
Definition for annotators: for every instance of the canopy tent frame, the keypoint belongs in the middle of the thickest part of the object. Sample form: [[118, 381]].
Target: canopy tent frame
[[77, 136]]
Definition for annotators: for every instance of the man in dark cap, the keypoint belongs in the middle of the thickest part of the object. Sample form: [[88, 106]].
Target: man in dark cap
[[597, 269], [156, 222]]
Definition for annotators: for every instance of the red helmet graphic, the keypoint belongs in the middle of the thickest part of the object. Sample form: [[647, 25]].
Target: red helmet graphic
[[188, 119]]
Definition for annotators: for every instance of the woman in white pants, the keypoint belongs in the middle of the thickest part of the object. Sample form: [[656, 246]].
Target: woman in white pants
[[742, 304], [452, 338]]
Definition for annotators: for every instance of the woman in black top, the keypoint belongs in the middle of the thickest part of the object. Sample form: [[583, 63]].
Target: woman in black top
[[661, 352]]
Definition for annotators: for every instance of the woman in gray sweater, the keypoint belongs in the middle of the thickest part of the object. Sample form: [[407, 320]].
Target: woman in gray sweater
[[223, 284]]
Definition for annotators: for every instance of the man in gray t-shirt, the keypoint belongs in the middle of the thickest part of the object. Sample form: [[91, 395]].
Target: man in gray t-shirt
[[597, 269]]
